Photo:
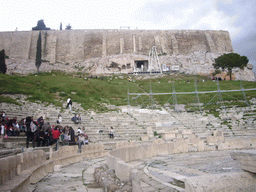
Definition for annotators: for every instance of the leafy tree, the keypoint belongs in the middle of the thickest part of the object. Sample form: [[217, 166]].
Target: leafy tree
[[229, 61], [3, 67], [40, 26], [39, 52], [68, 27]]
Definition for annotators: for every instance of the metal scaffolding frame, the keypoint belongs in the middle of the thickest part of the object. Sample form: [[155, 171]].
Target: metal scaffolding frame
[[174, 94], [154, 60]]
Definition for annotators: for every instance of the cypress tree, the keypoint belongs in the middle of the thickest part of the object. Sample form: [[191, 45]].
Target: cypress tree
[[38, 52], [3, 67]]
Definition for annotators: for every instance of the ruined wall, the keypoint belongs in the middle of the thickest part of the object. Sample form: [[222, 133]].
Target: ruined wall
[[79, 45]]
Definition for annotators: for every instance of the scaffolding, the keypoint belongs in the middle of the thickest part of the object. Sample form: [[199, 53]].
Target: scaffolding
[[174, 94], [154, 62]]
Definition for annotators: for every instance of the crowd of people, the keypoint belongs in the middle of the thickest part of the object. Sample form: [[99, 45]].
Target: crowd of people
[[10, 127], [41, 133]]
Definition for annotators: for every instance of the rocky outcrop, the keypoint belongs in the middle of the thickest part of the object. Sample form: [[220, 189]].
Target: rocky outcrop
[[199, 63]]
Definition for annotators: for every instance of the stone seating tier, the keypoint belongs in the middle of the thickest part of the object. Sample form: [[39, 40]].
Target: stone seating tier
[[134, 126]]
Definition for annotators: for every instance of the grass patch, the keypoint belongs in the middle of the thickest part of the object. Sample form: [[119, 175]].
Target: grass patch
[[95, 93], [8, 100]]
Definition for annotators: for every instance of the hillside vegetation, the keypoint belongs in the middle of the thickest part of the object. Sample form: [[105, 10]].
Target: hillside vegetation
[[94, 93]]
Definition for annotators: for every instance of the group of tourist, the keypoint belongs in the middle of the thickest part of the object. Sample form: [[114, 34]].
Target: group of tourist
[[41, 133], [10, 127]]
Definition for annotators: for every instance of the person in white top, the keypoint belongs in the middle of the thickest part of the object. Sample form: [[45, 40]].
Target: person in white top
[[69, 104], [111, 133], [2, 129]]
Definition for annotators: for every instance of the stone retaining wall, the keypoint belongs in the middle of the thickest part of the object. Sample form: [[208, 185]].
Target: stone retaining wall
[[79, 45], [19, 171], [119, 159]]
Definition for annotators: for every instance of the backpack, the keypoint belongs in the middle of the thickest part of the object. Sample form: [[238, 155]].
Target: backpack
[[32, 127]]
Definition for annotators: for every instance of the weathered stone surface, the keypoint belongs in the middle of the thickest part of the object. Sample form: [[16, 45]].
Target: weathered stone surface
[[106, 178], [78, 45], [221, 182], [247, 159]]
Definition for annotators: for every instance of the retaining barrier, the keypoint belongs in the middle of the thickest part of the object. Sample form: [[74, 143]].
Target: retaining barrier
[[18, 172], [119, 159]]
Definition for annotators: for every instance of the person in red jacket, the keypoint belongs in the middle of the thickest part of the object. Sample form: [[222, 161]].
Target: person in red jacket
[[55, 135]]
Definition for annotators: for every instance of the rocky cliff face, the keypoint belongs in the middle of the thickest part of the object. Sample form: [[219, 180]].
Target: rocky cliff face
[[196, 63]]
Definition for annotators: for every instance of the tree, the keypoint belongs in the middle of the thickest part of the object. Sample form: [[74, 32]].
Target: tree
[[229, 61], [3, 67], [60, 25], [68, 27], [38, 52], [40, 26]]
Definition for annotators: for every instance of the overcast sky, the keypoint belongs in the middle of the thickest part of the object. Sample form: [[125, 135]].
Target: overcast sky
[[236, 16]]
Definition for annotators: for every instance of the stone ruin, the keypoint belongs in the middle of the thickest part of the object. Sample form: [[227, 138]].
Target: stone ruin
[[134, 165], [119, 51]]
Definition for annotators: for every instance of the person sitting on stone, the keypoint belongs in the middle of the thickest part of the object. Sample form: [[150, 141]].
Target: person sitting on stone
[[22, 125], [3, 115], [16, 127], [75, 119], [79, 120], [79, 130], [12, 127], [59, 120], [86, 139]]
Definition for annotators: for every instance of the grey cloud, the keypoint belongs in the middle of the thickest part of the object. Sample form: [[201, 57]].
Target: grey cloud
[[245, 42], [171, 15]]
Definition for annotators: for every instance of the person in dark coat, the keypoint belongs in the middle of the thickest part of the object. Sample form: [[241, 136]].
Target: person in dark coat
[[30, 124], [72, 135]]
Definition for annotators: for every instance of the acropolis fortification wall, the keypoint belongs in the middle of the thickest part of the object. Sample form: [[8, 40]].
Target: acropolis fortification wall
[[105, 51], [79, 45]]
